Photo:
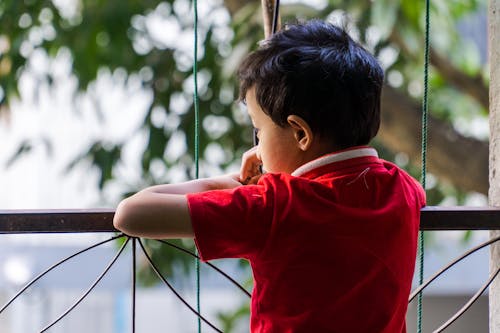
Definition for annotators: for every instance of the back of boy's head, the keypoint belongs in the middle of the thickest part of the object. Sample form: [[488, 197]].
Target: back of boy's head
[[316, 71]]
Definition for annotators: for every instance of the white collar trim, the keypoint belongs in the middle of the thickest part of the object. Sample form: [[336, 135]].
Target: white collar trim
[[335, 157]]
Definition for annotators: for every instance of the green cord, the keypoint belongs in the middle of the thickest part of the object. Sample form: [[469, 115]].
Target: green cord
[[424, 159], [196, 141], [196, 101]]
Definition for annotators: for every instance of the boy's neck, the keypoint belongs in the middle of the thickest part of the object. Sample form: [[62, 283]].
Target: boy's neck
[[316, 150]]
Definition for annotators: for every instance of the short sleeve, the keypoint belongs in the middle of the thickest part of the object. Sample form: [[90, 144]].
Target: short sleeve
[[232, 223]]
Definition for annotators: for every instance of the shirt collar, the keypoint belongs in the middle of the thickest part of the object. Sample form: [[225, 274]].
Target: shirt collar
[[335, 157]]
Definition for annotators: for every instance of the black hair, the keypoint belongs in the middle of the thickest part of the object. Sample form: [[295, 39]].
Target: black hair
[[317, 71]]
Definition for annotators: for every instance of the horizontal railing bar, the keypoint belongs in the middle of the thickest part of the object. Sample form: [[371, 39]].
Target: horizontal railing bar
[[460, 218], [101, 220], [56, 221]]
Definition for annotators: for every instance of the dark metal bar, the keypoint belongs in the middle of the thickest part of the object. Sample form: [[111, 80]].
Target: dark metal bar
[[56, 221], [101, 220], [134, 281], [460, 218], [99, 278], [158, 273]]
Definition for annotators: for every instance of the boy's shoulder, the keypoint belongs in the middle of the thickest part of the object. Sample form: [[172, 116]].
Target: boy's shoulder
[[409, 181], [350, 176]]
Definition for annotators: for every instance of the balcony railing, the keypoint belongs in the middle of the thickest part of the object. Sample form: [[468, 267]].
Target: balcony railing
[[101, 221]]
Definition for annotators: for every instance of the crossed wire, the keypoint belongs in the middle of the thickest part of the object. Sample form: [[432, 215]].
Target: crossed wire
[[225, 275], [107, 268]]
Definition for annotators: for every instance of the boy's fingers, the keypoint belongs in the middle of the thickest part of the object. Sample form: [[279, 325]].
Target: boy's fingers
[[254, 180], [250, 165]]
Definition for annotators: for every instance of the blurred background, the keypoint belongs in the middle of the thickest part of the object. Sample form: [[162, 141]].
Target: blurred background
[[96, 102]]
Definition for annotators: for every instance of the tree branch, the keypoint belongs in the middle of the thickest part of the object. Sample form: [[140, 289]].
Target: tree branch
[[473, 86], [234, 5], [455, 158]]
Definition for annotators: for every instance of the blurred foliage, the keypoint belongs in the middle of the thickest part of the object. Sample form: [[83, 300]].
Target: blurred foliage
[[118, 35]]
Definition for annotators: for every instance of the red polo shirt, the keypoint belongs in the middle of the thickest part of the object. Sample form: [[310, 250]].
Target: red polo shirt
[[332, 246]]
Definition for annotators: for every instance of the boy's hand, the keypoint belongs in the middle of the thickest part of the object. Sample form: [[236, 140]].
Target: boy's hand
[[251, 164]]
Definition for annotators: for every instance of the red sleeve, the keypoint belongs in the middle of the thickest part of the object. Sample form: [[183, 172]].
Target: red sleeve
[[232, 223]]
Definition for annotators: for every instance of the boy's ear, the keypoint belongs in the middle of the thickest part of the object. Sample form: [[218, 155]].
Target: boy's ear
[[301, 131]]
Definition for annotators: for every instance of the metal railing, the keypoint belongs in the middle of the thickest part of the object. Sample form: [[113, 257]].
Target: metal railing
[[101, 220]]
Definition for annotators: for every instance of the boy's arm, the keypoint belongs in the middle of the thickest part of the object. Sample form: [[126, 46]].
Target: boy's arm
[[162, 211]]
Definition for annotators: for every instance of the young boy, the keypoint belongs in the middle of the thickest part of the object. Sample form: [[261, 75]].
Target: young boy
[[329, 229]]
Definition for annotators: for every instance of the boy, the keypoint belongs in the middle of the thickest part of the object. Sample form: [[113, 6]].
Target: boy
[[329, 229]]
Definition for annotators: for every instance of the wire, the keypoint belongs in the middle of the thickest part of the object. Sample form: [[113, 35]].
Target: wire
[[196, 139], [424, 158]]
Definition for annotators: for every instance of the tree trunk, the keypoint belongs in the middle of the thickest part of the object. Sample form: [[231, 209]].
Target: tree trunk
[[494, 191], [474, 86]]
